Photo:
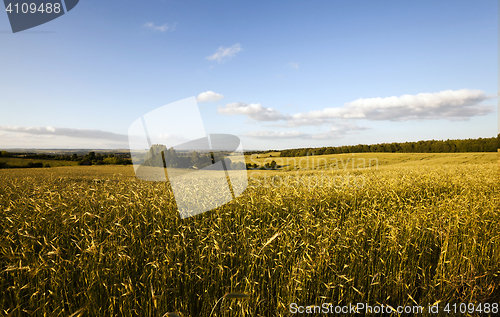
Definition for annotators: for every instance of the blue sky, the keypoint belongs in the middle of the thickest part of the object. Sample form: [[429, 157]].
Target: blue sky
[[279, 74]]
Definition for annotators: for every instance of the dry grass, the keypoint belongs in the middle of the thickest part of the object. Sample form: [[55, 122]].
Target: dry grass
[[98, 242], [345, 161]]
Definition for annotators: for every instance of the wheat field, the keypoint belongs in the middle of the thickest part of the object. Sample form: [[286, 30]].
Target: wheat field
[[96, 241]]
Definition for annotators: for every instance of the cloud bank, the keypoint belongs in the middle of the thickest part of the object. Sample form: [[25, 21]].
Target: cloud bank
[[448, 104], [68, 132], [254, 111], [336, 131], [265, 134]]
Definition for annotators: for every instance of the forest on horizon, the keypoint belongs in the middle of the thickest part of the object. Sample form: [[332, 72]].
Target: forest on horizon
[[430, 146]]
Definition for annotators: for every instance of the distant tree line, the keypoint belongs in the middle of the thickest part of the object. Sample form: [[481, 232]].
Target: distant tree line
[[28, 165], [268, 166], [5, 154], [432, 146], [91, 158], [159, 155], [260, 152]]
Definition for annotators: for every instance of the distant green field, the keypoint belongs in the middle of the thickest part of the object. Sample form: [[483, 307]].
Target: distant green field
[[345, 161], [15, 161]]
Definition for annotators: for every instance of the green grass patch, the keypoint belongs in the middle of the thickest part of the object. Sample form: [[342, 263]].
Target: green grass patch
[[21, 162]]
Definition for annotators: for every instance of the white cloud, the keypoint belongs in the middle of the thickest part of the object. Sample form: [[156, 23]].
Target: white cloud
[[293, 65], [254, 111], [225, 53], [161, 28], [336, 131], [169, 138], [209, 96], [299, 122], [449, 104], [264, 134], [69, 132]]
